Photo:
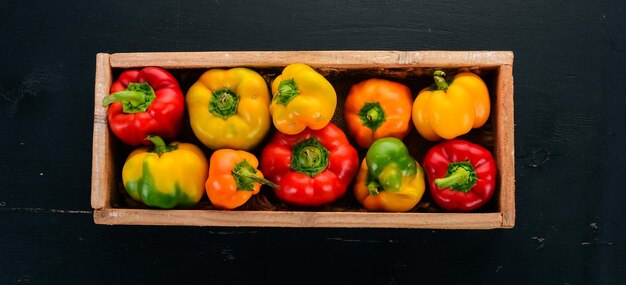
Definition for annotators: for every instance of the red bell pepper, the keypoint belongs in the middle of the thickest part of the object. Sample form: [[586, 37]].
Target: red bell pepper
[[312, 168], [145, 102], [462, 175]]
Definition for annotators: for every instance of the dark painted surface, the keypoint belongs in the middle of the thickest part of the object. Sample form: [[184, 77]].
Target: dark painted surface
[[570, 127]]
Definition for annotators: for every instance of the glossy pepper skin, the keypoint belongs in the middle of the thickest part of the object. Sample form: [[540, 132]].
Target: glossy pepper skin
[[389, 179], [145, 102], [450, 109], [302, 98], [229, 108], [312, 168], [166, 176], [378, 108], [233, 178], [462, 175]]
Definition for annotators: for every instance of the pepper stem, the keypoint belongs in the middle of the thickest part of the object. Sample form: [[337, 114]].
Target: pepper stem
[[224, 103], [135, 99], [287, 90], [245, 177], [440, 81], [160, 147], [309, 157], [243, 173], [372, 115], [461, 176], [372, 187]]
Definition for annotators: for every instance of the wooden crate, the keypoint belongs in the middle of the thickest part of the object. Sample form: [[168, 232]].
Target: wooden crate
[[392, 64]]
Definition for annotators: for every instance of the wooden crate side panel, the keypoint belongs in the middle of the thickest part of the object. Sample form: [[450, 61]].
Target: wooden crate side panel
[[505, 147], [298, 219], [102, 184], [330, 59]]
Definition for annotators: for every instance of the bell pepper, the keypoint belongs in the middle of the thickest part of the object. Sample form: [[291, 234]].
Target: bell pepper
[[389, 179], [233, 178], [462, 175], [450, 109], [312, 168], [145, 102], [302, 98], [166, 176], [229, 108], [378, 108]]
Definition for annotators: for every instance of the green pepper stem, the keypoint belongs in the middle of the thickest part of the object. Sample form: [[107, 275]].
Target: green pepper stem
[[309, 157], [372, 115], [135, 99], [224, 103], [372, 187], [287, 90], [243, 173], [458, 176], [440, 81], [461, 176], [160, 147]]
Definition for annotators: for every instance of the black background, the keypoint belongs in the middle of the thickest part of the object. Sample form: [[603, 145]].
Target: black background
[[570, 127]]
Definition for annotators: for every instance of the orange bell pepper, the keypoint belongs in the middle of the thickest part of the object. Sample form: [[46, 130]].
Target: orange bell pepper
[[233, 178], [378, 108]]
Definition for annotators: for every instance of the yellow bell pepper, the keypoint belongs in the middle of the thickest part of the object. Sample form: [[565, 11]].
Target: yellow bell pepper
[[302, 98], [448, 110], [166, 176], [229, 108]]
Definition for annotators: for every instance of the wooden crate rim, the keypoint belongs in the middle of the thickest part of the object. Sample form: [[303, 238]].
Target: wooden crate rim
[[337, 58], [298, 219]]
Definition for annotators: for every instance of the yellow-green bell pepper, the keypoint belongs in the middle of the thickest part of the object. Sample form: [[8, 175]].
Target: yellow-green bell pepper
[[166, 176], [389, 179], [229, 108], [302, 98]]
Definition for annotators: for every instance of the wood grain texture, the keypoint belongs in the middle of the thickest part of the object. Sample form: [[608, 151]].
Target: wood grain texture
[[298, 219], [339, 59], [102, 182], [505, 146]]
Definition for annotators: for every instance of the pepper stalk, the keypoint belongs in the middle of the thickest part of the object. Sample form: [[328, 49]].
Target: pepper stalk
[[245, 177], [135, 99]]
